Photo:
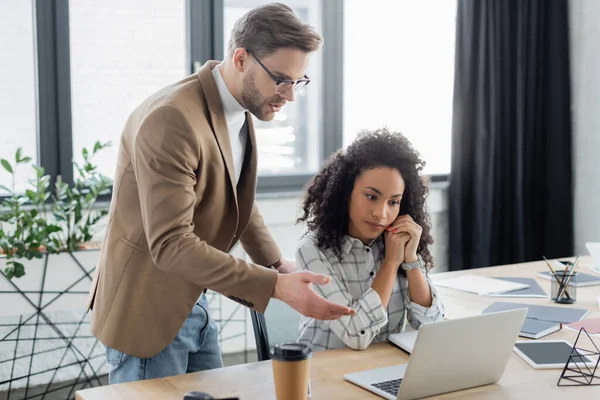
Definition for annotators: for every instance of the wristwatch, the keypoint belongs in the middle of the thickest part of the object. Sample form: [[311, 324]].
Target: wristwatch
[[411, 265]]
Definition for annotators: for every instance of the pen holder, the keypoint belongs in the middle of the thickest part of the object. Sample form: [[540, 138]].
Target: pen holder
[[561, 289]]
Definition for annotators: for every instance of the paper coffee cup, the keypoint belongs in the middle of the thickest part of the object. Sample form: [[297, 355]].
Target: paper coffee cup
[[291, 370]]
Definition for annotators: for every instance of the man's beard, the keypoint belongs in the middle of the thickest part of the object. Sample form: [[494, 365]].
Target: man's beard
[[252, 99]]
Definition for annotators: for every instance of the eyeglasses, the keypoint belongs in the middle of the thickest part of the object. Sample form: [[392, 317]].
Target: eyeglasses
[[283, 85]]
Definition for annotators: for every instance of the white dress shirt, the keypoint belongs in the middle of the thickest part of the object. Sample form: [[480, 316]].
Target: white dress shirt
[[235, 115], [350, 285]]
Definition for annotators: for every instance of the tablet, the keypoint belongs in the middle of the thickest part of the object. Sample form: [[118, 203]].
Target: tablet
[[549, 354]]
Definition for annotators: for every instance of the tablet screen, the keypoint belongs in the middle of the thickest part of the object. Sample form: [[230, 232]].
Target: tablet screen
[[547, 352]]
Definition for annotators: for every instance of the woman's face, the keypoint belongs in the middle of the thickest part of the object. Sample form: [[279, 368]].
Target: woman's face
[[374, 202]]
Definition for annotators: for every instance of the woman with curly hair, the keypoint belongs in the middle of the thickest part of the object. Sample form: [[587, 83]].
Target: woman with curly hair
[[368, 229]]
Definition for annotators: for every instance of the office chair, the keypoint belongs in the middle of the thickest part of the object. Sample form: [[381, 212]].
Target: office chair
[[278, 324]]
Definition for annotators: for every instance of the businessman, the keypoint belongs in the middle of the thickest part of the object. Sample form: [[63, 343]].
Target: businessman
[[184, 196]]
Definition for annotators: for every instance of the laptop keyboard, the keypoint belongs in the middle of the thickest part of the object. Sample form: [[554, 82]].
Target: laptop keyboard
[[391, 387]]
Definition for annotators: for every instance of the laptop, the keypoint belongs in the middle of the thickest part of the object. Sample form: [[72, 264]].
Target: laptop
[[449, 355]]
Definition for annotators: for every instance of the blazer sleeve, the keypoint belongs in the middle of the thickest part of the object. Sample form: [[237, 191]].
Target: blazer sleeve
[[167, 154], [258, 242]]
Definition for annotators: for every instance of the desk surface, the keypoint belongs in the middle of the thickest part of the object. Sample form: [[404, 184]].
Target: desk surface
[[255, 380]]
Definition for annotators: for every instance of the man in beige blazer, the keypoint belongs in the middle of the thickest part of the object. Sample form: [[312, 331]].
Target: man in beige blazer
[[182, 198]]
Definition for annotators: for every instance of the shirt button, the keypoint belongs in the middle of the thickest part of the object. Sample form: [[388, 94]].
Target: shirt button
[[368, 249], [362, 332], [372, 273]]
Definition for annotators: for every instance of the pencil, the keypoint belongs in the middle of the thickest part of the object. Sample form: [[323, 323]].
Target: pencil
[[564, 288], [558, 280], [551, 269]]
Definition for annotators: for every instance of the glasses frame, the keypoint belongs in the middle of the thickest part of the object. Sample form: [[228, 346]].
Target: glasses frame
[[298, 84]]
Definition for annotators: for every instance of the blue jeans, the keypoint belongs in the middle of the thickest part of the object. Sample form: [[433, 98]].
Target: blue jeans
[[195, 348]]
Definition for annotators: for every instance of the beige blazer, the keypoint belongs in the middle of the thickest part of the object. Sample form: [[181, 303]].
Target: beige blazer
[[174, 215]]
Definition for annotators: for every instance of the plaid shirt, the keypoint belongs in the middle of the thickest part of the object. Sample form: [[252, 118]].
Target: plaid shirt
[[350, 285]]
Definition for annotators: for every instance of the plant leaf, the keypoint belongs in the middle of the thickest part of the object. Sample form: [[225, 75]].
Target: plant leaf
[[59, 217], [25, 159], [20, 247], [9, 272], [18, 155], [6, 165], [53, 229], [19, 269], [2, 187]]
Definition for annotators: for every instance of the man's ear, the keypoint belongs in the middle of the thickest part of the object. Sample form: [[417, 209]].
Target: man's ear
[[240, 58]]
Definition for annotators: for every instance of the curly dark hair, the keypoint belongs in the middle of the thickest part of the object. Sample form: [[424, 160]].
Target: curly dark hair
[[326, 201]]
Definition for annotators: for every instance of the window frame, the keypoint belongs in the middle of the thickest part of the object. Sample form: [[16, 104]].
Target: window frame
[[204, 41]]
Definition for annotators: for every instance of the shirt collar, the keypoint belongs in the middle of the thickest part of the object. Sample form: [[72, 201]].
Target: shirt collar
[[348, 242], [233, 109]]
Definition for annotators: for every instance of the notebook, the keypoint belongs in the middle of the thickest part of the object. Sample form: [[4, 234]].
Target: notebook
[[479, 284], [592, 325], [534, 289], [541, 320], [537, 328], [579, 280]]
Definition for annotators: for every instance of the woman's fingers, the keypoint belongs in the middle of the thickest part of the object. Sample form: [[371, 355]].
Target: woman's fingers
[[405, 226]]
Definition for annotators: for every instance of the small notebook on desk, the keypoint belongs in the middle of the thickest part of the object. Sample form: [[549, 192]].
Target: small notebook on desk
[[541, 320], [537, 328], [591, 325], [579, 280], [479, 284], [534, 289]]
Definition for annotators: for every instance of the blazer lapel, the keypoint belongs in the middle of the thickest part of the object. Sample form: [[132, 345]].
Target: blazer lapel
[[217, 114]]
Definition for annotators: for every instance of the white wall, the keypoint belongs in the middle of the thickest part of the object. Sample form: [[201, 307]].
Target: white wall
[[584, 19]]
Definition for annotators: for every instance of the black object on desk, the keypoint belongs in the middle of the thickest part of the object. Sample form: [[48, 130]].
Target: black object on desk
[[204, 396], [577, 373]]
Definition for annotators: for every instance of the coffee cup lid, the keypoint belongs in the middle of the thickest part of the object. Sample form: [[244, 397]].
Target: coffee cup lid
[[290, 351]]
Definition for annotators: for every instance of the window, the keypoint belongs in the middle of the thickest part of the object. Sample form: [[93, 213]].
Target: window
[[101, 59], [291, 143], [18, 127], [399, 72], [122, 51]]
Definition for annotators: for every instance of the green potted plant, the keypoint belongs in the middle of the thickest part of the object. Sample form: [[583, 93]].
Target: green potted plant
[[40, 221], [44, 235]]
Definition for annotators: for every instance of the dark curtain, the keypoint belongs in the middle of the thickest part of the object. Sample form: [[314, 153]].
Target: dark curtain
[[511, 190]]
